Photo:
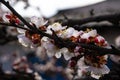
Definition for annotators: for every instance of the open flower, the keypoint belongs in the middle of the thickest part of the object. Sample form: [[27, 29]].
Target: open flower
[[39, 22], [66, 53], [27, 39], [57, 27], [95, 72], [87, 37], [91, 33], [52, 50], [67, 33], [98, 72]]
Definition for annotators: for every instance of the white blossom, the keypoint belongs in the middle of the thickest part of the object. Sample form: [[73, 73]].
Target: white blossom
[[25, 41], [55, 27], [91, 33], [49, 46], [66, 53], [38, 21], [67, 33], [21, 31], [96, 72], [52, 50]]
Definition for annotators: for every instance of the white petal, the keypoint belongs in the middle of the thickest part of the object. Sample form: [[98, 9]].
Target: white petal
[[58, 54], [92, 33], [38, 21], [99, 71], [80, 74], [37, 76], [24, 40], [95, 76], [85, 36], [64, 50], [32, 45], [76, 33], [50, 47], [44, 39], [50, 53], [67, 33], [20, 30], [49, 31], [68, 56], [4, 17], [40, 51], [55, 27]]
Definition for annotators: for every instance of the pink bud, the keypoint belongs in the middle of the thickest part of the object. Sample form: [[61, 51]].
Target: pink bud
[[96, 40], [17, 21], [8, 16]]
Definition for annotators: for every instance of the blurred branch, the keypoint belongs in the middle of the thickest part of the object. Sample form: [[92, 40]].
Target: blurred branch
[[13, 25], [114, 18], [96, 26], [4, 37]]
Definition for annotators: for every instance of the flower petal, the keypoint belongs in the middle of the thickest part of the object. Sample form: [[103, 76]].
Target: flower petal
[[38, 21], [20, 30], [92, 33], [99, 71], [58, 54], [67, 55], [24, 40], [56, 27]]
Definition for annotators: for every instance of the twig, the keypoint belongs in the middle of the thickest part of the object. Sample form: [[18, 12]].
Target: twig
[[15, 13], [14, 25], [112, 18], [96, 26]]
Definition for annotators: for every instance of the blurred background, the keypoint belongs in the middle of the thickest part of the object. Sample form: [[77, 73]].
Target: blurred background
[[52, 69]]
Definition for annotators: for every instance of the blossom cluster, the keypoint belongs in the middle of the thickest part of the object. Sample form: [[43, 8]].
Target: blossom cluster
[[21, 65], [95, 65]]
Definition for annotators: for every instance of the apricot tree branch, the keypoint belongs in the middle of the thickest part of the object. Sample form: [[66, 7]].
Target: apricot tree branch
[[114, 18], [14, 25], [69, 44]]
